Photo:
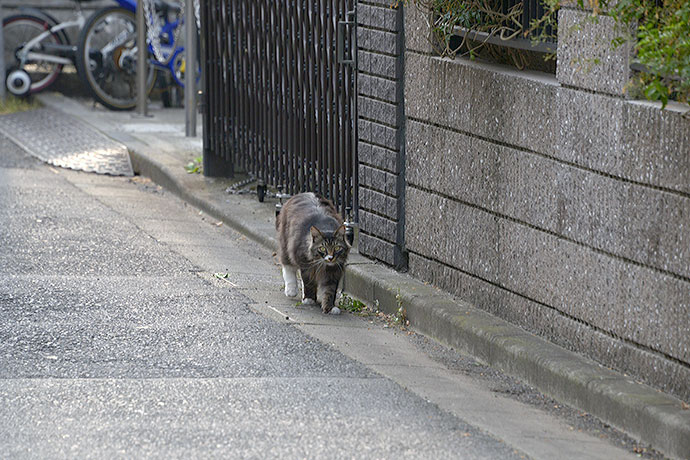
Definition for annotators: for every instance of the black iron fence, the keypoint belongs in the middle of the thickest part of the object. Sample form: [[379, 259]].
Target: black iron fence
[[279, 98]]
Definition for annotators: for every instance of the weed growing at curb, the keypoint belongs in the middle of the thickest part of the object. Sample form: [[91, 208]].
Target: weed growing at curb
[[400, 316], [358, 308], [194, 166], [350, 304], [15, 104]]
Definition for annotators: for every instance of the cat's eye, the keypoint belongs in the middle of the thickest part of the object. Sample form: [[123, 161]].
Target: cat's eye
[[338, 250], [322, 249]]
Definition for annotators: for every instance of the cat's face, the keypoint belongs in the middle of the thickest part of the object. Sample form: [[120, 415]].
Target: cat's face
[[329, 249]]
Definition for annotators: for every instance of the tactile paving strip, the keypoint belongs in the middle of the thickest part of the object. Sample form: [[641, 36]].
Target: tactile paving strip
[[62, 140]]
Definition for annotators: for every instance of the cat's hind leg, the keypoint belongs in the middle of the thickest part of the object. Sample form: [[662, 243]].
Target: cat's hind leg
[[290, 278]]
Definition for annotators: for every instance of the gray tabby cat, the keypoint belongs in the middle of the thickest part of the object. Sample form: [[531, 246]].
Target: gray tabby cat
[[311, 239]]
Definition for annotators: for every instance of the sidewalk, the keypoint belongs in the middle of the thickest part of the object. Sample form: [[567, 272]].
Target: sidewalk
[[159, 150]]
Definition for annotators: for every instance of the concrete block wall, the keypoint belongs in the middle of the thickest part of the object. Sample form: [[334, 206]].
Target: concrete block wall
[[555, 203], [380, 131]]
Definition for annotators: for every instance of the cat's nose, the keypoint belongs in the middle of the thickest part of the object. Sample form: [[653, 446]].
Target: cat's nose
[[328, 257]]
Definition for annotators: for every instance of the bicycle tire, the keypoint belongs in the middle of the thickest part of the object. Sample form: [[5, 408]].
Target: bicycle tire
[[19, 29], [111, 77]]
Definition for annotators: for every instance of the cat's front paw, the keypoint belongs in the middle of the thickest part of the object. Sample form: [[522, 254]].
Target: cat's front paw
[[290, 291], [331, 311], [308, 301]]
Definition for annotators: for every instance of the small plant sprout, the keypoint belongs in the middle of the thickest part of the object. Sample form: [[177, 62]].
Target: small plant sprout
[[194, 166], [400, 316], [350, 304]]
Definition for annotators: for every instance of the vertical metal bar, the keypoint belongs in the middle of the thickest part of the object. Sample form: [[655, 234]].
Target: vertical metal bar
[[209, 76], [274, 97], [204, 77], [340, 106], [330, 93], [266, 61], [300, 101], [248, 108], [3, 87], [281, 119], [320, 47], [226, 92], [333, 84], [190, 70], [291, 87], [215, 86], [526, 14], [236, 76], [347, 120], [291, 75], [311, 103], [266, 64], [355, 119], [251, 107], [302, 80], [350, 103], [234, 102], [142, 52], [269, 112], [259, 89], [244, 83]]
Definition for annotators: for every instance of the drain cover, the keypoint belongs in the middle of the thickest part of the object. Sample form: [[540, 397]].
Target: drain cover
[[62, 140]]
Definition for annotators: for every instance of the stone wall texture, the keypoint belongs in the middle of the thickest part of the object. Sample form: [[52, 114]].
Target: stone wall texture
[[554, 202], [380, 131]]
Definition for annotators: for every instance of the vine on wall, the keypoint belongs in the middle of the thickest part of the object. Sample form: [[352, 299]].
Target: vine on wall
[[659, 29], [662, 46], [487, 17]]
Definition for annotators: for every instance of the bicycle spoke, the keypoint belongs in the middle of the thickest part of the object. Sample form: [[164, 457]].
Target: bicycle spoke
[[108, 56], [19, 30]]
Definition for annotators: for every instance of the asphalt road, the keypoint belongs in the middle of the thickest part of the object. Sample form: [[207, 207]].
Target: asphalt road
[[112, 344], [117, 340]]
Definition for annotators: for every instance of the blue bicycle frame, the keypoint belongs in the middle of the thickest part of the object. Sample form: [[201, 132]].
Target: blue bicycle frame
[[172, 51]]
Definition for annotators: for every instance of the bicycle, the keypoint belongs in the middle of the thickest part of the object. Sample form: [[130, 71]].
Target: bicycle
[[37, 48], [107, 50]]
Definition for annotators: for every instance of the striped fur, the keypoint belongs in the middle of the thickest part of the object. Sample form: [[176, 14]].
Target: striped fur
[[311, 240]]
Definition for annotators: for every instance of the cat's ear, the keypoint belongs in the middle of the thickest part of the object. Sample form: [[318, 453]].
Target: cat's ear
[[341, 233], [315, 233]]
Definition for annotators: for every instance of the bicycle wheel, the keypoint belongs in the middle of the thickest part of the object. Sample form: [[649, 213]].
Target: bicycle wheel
[[18, 30], [107, 58]]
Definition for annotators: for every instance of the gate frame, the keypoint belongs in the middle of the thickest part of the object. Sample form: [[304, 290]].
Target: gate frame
[[321, 152]]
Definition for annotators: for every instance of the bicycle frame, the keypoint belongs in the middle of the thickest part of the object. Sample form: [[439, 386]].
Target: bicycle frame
[[171, 50], [26, 55]]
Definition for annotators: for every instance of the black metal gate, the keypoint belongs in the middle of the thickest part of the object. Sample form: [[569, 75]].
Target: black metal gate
[[279, 93]]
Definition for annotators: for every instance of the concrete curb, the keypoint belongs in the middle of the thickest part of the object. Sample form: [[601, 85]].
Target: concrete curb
[[643, 412], [647, 414]]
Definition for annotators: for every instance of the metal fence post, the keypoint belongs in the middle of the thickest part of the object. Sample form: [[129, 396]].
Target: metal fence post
[[190, 69], [141, 59], [3, 87]]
